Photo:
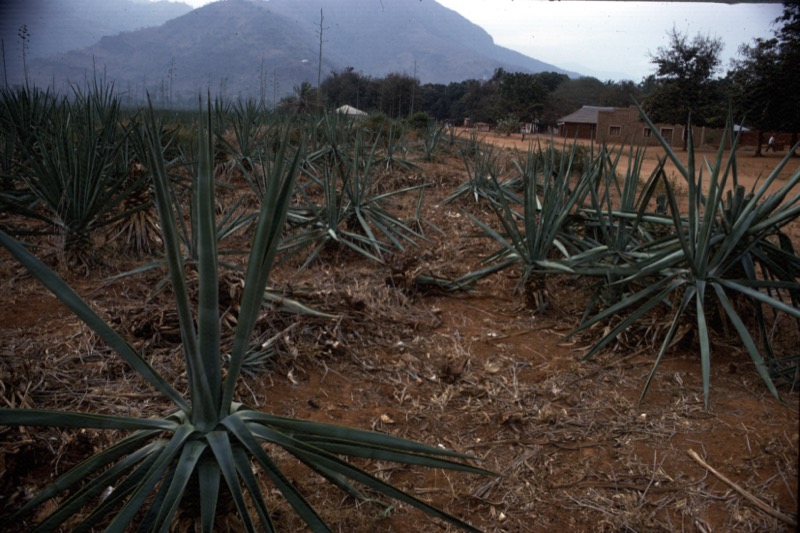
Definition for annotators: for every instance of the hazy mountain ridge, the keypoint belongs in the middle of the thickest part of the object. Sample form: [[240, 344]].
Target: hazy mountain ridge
[[444, 44], [56, 26], [208, 47], [264, 48]]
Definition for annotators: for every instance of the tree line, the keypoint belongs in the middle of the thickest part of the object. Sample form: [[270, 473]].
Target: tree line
[[540, 98], [761, 88]]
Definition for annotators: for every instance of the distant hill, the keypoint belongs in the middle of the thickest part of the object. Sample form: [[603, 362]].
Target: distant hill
[[57, 26], [383, 36], [258, 47]]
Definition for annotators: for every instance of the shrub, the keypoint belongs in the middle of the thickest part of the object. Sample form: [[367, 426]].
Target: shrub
[[420, 121], [508, 125]]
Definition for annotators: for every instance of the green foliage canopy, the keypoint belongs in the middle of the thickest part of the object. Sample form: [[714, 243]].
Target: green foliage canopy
[[765, 77], [685, 83]]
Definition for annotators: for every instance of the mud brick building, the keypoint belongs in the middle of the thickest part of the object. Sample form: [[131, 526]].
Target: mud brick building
[[616, 125]]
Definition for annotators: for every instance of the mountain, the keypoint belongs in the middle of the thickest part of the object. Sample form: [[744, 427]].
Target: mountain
[[266, 47], [383, 36], [55, 26], [220, 46]]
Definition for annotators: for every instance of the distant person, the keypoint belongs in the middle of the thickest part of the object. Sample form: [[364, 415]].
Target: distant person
[[771, 143]]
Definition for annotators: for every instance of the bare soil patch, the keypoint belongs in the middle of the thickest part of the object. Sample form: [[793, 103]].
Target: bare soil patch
[[478, 373]]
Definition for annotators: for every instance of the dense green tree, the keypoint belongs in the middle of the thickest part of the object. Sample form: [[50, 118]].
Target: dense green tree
[[349, 87], [646, 87], [521, 95], [685, 83], [620, 93], [765, 77], [481, 100], [789, 39], [754, 92], [457, 110], [551, 80], [440, 100], [398, 94], [571, 95]]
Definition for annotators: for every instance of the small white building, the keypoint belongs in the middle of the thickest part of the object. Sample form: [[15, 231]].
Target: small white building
[[351, 111]]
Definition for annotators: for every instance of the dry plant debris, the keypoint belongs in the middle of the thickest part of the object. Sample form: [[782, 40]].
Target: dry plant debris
[[474, 372]]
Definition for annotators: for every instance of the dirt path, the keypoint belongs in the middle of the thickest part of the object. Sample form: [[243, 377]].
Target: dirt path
[[751, 169]]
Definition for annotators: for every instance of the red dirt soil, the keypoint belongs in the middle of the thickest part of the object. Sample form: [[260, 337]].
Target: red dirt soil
[[478, 373]]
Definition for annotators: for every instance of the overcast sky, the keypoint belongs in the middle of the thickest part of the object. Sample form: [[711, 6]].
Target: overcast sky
[[608, 40], [612, 40]]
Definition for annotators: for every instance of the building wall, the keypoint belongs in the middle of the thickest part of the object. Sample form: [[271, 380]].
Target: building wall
[[621, 125], [624, 125], [574, 130]]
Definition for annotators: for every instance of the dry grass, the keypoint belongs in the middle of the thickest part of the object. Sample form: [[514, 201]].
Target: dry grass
[[474, 372]]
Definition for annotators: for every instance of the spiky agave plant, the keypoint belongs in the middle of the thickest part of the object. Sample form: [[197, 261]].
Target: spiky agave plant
[[394, 149], [551, 193], [209, 439], [714, 256], [250, 131], [23, 111], [482, 164], [618, 225], [352, 213], [69, 164], [430, 145]]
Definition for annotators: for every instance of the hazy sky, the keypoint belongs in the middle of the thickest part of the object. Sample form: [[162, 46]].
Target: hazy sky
[[608, 40], [612, 39]]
